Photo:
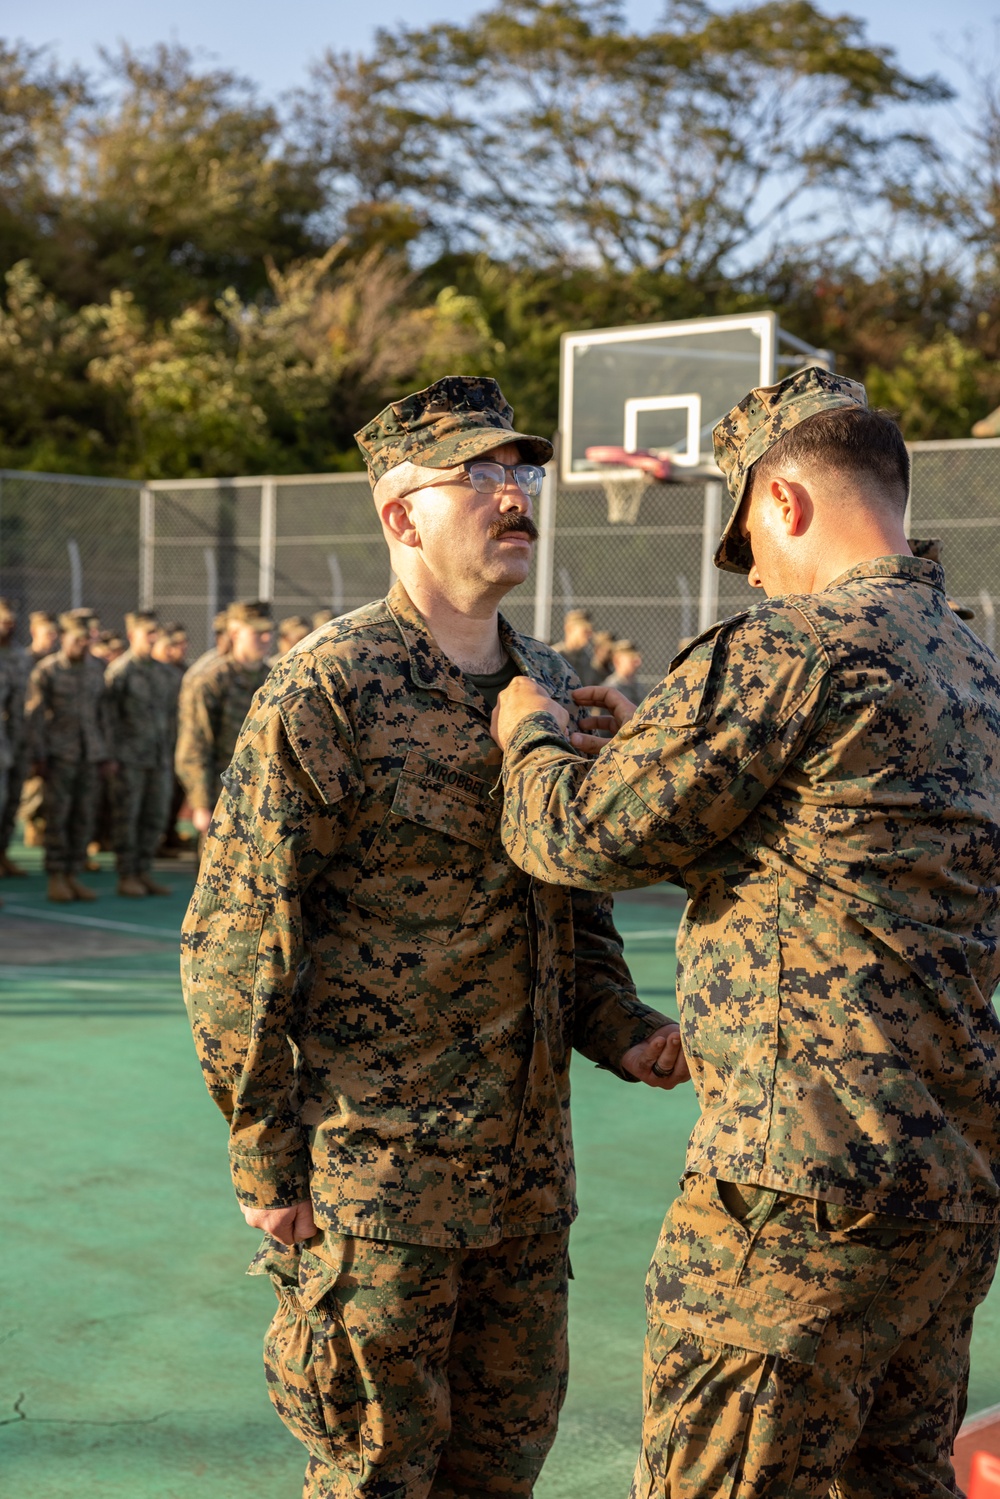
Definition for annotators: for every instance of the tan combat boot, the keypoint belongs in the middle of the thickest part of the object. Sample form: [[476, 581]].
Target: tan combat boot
[[10, 870], [130, 884], [80, 892], [153, 887], [60, 889]]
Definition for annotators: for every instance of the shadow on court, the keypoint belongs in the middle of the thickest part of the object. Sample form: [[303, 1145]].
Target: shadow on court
[[131, 1337]]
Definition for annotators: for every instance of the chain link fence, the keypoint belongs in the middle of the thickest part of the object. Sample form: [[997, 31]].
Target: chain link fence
[[310, 541]]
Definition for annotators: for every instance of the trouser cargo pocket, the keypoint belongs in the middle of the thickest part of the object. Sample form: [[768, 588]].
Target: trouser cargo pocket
[[311, 1372]]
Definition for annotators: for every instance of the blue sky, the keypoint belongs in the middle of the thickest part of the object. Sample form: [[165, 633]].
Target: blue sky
[[273, 44]]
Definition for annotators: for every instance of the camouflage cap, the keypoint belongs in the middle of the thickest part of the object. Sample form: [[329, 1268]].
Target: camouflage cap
[[454, 420], [756, 424]]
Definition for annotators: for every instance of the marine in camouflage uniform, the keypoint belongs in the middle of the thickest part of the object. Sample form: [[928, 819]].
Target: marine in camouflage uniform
[[819, 773], [15, 667], [67, 736], [214, 702], [384, 1007], [141, 715]]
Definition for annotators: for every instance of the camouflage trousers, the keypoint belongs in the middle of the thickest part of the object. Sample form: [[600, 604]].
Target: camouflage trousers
[[70, 806], [140, 804], [800, 1349], [10, 802], [410, 1371]]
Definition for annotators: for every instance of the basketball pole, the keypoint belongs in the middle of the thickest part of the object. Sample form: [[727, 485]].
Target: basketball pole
[[545, 555], [708, 598]]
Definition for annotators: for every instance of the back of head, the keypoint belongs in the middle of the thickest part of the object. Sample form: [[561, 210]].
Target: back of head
[[859, 445]]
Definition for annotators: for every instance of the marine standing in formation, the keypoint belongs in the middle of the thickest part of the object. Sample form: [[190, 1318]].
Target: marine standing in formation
[[15, 668], [66, 726], [820, 774], [141, 707], [214, 702], [384, 1005]]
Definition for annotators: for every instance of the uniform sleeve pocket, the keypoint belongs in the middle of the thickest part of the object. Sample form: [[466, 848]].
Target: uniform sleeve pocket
[[741, 1318]]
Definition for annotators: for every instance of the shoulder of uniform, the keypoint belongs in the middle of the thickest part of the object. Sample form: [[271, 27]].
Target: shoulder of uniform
[[373, 620], [778, 623]]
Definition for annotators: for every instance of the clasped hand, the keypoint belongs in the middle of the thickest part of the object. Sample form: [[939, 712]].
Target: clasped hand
[[609, 711]]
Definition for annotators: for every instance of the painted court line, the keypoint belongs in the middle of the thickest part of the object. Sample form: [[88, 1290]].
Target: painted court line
[[651, 936], [101, 922]]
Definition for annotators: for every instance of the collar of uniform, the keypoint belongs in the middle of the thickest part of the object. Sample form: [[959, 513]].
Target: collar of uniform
[[918, 569], [430, 667]]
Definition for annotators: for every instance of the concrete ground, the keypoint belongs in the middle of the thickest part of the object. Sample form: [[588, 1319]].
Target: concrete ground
[[131, 1365]]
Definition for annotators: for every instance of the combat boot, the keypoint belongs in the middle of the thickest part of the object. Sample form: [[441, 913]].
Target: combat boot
[[11, 870], [80, 892], [153, 887], [60, 890], [130, 884]]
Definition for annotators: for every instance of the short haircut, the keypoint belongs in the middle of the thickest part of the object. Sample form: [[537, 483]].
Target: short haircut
[[70, 623], [322, 617], [140, 617], [248, 614], [577, 617], [42, 617], [294, 622], [220, 622], [860, 441]]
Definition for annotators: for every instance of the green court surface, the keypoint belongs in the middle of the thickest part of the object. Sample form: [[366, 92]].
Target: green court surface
[[131, 1358]]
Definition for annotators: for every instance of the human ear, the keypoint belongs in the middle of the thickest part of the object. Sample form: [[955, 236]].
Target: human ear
[[790, 499], [397, 520]]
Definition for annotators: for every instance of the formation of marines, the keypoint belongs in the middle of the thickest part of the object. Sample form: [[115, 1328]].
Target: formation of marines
[[402, 927], [101, 742]]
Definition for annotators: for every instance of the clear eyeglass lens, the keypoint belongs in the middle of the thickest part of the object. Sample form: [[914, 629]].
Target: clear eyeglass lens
[[487, 478]]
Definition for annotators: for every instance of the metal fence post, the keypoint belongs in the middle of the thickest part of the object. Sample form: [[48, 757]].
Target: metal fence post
[[545, 556], [708, 599], [147, 547], [268, 538]]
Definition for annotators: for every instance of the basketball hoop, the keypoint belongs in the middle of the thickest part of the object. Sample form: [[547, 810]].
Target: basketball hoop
[[629, 475]]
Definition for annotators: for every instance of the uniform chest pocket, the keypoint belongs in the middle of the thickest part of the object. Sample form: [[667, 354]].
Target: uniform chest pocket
[[421, 869]]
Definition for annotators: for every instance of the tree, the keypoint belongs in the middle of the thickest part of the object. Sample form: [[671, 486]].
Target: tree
[[547, 131]]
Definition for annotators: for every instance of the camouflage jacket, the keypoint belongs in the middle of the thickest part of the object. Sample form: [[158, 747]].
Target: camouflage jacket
[[383, 1004], [66, 710], [11, 707], [821, 774], [214, 703], [142, 696]]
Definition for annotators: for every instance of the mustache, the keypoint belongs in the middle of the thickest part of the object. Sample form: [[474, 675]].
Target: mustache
[[511, 521]]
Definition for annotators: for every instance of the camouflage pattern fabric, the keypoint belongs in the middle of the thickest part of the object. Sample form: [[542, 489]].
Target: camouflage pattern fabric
[[141, 708], [354, 899], [12, 685], [582, 664], [756, 424], [20, 664], [24, 793], [452, 421], [69, 805], [207, 658], [66, 710], [409, 1371], [140, 803], [213, 705], [819, 773], [794, 1344]]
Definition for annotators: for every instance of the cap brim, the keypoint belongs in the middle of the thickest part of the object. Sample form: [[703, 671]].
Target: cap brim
[[733, 554], [462, 447]]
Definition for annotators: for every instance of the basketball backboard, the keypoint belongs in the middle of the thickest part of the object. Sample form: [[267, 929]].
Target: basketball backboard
[[663, 386]]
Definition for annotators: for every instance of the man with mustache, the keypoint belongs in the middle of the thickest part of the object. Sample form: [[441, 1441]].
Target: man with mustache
[[385, 1006]]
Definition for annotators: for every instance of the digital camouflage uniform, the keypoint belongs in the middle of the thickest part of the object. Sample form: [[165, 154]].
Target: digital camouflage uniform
[[11, 727], [66, 730], [384, 1007], [819, 774], [15, 668], [141, 715], [214, 702]]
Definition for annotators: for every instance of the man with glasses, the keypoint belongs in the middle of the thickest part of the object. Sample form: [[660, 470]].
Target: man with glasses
[[385, 1007]]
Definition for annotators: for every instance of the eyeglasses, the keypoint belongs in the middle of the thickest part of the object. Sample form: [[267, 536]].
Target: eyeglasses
[[489, 477]]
